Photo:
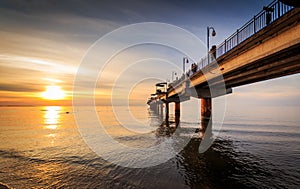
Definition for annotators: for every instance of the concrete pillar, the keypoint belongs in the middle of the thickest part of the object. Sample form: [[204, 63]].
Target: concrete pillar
[[177, 113], [153, 106], [157, 108], [206, 117], [161, 108], [177, 108], [206, 108], [167, 111]]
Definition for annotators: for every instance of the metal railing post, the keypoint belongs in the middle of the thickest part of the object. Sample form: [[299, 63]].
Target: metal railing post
[[237, 36], [278, 9], [254, 24]]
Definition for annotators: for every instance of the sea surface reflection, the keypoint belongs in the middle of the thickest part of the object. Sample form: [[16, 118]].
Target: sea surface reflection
[[52, 116], [42, 148]]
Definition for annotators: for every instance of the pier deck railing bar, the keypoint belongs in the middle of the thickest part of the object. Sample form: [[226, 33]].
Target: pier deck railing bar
[[258, 22], [269, 14]]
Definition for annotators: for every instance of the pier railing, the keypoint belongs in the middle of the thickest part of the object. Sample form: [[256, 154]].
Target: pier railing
[[269, 14], [265, 17]]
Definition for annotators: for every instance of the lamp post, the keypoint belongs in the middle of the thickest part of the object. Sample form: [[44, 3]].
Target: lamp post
[[185, 61], [213, 33]]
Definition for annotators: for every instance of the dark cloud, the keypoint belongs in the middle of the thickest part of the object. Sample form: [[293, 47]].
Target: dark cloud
[[126, 10], [20, 87], [22, 80]]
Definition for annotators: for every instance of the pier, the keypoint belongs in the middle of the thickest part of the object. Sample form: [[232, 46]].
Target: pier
[[266, 47]]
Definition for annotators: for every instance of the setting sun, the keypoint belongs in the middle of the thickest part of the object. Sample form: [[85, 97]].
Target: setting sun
[[53, 93]]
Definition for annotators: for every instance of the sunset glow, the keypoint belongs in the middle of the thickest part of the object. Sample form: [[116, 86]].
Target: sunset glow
[[53, 93], [42, 48]]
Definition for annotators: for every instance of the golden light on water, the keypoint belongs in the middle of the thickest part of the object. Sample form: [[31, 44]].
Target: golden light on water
[[53, 93], [52, 117]]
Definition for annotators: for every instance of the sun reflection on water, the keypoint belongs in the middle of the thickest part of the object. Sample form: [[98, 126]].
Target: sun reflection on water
[[52, 117]]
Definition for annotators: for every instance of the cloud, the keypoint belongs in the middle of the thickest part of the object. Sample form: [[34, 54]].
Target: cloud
[[48, 39], [36, 63], [20, 88]]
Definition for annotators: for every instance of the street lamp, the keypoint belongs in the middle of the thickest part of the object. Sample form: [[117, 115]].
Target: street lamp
[[185, 61], [213, 33]]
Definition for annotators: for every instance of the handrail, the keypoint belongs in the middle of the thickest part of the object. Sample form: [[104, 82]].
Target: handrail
[[269, 14]]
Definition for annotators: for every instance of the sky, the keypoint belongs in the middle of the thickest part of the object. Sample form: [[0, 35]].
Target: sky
[[43, 44]]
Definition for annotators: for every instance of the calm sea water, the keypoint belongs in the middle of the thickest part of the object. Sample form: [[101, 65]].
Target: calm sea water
[[40, 147]]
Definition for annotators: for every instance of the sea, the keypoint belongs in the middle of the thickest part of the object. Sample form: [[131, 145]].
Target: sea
[[43, 147]]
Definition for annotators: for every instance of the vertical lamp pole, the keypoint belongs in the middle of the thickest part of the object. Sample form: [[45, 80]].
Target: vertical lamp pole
[[185, 61], [213, 33]]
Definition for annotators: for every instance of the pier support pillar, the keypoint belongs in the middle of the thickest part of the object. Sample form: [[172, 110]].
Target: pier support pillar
[[177, 113], [167, 111], [161, 109], [206, 117], [153, 107], [177, 108], [206, 108]]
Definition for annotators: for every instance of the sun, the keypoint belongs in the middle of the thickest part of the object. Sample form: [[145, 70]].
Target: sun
[[53, 93]]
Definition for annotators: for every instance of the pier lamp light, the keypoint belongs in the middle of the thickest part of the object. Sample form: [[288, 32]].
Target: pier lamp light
[[213, 33]]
